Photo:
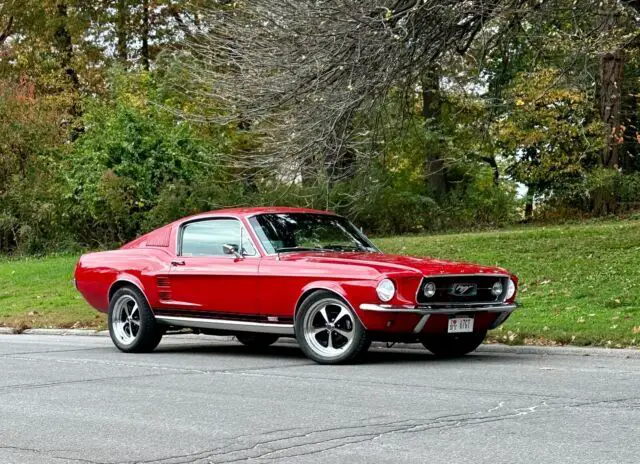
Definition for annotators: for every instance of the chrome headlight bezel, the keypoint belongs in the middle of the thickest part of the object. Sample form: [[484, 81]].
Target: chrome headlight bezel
[[386, 290], [497, 288], [429, 289]]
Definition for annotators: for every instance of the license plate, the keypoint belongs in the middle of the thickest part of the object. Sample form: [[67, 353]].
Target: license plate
[[460, 325]]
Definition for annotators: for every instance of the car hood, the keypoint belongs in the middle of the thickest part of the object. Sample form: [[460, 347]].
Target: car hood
[[398, 263]]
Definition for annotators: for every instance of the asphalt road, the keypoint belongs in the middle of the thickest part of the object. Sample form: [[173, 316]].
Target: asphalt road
[[194, 400]]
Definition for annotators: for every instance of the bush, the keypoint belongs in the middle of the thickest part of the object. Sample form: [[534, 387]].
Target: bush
[[130, 163]]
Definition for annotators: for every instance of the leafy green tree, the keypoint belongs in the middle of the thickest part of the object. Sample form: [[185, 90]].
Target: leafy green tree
[[133, 157]]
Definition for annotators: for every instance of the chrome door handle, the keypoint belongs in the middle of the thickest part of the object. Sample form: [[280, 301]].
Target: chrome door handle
[[177, 263]]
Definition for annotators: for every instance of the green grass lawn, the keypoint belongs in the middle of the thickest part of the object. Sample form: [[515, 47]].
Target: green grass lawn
[[580, 284], [39, 292]]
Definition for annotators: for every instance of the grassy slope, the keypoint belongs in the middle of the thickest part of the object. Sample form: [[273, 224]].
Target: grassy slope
[[40, 293], [580, 284]]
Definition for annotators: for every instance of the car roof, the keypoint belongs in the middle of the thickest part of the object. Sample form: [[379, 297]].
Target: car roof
[[252, 211], [160, 236]]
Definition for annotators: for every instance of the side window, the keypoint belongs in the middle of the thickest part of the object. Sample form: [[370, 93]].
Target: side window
[[208, 238]]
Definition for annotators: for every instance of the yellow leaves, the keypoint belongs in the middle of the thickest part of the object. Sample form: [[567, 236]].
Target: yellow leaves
[[519, 102]]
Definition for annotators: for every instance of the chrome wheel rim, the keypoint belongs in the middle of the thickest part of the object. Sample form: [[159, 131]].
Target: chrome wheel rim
[[126, 320], [329, 328]]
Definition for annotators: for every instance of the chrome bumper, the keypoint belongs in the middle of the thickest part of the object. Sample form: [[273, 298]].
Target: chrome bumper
[[427, 310], [505, 311]]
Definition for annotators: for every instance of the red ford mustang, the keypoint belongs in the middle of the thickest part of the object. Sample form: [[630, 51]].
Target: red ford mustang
[[265, 273]]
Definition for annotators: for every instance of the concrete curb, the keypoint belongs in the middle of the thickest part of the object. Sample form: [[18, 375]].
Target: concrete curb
[[486, 348], [81, 332]]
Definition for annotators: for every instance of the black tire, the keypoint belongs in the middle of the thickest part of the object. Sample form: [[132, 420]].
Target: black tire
[[453, 346], [257, 340], [312, 346], [148, 334]]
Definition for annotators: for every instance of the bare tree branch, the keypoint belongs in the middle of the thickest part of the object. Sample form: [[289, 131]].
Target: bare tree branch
[[301, 71]]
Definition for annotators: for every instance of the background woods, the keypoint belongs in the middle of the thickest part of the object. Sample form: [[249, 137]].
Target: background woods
[[119, 115]]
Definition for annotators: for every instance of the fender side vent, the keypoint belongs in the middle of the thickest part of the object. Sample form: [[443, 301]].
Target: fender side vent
[[164, 288]]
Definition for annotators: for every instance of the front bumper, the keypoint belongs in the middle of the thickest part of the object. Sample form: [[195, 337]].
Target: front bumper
[[503, 310]]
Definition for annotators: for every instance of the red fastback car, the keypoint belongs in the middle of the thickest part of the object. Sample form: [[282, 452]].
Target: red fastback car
[[265, 273]]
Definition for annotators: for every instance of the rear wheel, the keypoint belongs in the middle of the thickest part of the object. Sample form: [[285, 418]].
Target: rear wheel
[[328, 331], [132, 326], [453, 346], [257, 340]]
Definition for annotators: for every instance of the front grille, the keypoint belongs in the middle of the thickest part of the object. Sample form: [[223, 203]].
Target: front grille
[[449, 290]]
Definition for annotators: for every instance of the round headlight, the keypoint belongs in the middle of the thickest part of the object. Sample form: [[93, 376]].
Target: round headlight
[[385, 290], [429, 289], [511, 290], [496, 290]]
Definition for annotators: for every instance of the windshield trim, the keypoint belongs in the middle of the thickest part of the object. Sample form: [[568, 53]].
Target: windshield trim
[[374, 249]]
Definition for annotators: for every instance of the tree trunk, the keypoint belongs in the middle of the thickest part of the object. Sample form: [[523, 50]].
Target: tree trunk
[[528, 206], [610, 93], [436, 171], [611, 74], [631, 155], [64, 45], [339, 159], [491, 161], [6, 32], [145, 35], [121, 31]]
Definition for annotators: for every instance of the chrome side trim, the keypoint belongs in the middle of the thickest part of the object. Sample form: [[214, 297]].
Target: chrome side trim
[[223, 324], [505, 308]]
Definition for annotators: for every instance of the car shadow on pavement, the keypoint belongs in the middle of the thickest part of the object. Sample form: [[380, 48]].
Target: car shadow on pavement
[[233, 349], [398, 356], [292, 351]]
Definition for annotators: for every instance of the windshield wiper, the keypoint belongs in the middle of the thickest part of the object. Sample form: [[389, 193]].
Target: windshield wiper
[[343, 248], [288, 249]]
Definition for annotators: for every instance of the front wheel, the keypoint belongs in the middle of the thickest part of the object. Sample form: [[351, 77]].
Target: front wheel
[[132, 326], [328, 331], [453, 346]]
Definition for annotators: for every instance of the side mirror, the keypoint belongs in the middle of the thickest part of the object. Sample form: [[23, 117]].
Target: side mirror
[[232, 250]]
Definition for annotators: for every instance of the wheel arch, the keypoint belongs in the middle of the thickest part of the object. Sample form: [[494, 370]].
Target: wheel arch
[[127, 281], [330, 287]]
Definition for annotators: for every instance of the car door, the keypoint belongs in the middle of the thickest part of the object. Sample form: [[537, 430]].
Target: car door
[[204, 278]]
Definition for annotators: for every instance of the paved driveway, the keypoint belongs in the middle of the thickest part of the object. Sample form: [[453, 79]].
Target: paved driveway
[[194, 400]]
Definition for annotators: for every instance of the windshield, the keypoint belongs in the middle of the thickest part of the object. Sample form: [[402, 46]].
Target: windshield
[[280, 233]]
